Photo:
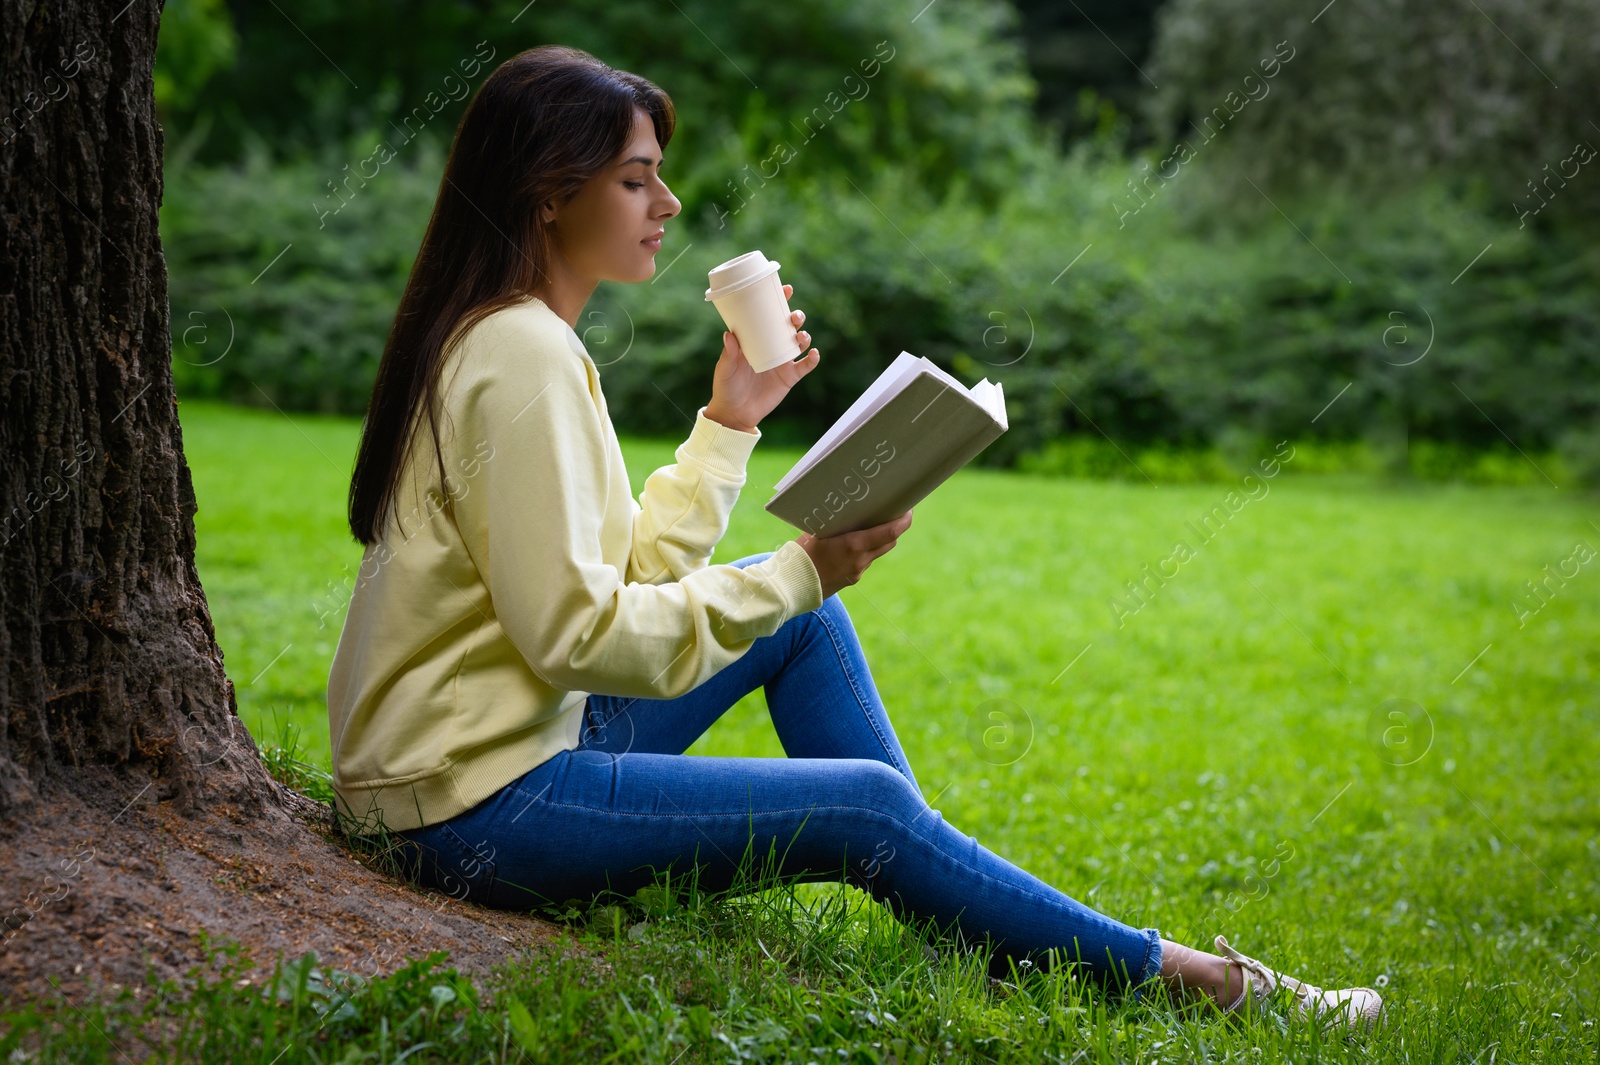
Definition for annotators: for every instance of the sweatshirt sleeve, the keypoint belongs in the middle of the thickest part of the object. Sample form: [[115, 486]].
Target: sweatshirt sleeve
[[532, 524], [684, 509]]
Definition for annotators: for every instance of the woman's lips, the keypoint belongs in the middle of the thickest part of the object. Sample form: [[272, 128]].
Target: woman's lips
[[654, 243]]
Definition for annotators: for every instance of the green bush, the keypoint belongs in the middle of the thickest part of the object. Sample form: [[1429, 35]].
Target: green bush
[[275, 302], [1353, 324], [1095, 458]]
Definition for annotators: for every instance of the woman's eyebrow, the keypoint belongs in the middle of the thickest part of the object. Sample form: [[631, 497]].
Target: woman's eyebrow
[[646, 160]]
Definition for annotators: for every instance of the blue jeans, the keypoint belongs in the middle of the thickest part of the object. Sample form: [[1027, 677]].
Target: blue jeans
[[628, 803]]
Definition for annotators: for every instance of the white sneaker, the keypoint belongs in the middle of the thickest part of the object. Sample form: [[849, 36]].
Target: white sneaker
[[1354, 1006]]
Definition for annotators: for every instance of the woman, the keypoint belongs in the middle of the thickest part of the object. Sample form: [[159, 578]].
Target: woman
[[530, 650]]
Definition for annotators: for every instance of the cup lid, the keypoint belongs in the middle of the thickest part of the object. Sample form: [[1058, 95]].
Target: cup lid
[[738, 273]]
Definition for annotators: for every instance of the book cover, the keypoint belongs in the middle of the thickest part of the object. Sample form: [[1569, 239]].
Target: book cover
[[903, 438]]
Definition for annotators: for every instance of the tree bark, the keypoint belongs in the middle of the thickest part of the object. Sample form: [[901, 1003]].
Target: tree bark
[[110, 656]]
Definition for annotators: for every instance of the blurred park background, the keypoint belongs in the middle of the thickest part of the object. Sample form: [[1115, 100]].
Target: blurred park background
[[1178, 231]]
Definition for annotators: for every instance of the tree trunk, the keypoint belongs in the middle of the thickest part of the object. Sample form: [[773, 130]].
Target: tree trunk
[[110, 656], [136, 817]]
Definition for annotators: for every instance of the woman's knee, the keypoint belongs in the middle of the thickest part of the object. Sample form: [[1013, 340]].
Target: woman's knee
[[882, 788]]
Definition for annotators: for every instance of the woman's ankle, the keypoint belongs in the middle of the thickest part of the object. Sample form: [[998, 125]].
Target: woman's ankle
[[1234, 983], [1197, 973]]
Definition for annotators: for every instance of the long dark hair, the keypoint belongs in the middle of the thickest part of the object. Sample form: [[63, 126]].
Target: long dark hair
[[543, 123]]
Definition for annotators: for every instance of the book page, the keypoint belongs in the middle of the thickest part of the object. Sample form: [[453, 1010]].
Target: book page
[[933, 368], [993, 399]]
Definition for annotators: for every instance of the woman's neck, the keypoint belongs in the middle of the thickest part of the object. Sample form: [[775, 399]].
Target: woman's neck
[[565, 293]]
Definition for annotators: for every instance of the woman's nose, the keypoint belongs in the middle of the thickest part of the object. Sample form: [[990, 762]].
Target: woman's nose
[[673, 205]]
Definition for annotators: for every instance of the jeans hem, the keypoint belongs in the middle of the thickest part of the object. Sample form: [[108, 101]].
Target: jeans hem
[[1151, 968]]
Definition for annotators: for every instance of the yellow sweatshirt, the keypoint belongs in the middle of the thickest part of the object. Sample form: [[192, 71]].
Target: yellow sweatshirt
[[496, 602]]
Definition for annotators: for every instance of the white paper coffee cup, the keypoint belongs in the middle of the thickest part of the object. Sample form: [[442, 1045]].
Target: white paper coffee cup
[[748, 294]]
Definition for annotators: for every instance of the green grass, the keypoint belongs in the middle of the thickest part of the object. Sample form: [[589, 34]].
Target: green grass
[[1154, 769]]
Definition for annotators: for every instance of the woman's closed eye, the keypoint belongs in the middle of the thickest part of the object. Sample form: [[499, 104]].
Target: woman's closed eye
[[634, 184]]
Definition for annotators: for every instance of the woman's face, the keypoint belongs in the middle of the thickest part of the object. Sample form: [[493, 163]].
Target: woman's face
[[610, 231]]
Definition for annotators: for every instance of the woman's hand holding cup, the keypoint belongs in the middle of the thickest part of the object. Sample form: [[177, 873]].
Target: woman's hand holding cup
[[741, 397]]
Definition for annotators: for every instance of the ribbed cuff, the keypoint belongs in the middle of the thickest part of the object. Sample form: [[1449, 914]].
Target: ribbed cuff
[[794, 573], [719, 449]]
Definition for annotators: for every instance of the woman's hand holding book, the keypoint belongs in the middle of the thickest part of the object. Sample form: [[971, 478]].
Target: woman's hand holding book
[[841, 560]]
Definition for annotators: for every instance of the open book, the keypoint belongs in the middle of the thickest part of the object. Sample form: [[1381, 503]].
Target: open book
[[907, 433]]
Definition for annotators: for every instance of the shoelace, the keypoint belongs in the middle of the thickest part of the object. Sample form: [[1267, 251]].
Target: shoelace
[[1308, 997], [1257, 977]]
